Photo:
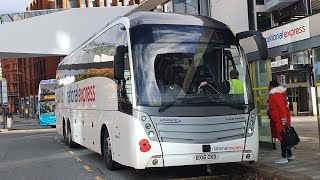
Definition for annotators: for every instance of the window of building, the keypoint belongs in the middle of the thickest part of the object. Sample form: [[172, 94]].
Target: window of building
[[92, 3], [72, 3], [186, 6], [15, 77], [14, 66], [52, 5], [6, 66], [300, 57], [291, 13], [59, 4], [102, 3], [83, 3], [260, 2], [296, 77], [263, 21], [16, 90]]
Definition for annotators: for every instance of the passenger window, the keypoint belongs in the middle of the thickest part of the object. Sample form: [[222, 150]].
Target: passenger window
[[96, 59]]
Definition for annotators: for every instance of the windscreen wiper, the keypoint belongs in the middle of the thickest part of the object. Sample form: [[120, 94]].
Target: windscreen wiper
[[165, 106], [214, 101], [234, 105]]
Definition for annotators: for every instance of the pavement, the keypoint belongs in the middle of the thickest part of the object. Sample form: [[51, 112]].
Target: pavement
[[306, 164], [24, 124], [29, 147]]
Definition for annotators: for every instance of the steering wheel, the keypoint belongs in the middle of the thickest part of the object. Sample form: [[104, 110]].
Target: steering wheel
[[200, 91]]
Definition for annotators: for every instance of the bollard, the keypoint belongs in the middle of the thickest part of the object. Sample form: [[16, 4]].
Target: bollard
[[295, 108], [9, 122], [4, 121]]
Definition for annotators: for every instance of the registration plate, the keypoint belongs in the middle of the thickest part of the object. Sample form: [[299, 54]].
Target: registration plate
[[205, 157]]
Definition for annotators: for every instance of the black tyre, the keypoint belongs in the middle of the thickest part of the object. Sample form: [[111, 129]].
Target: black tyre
[[69, 141], [64, 133], [107, 153]]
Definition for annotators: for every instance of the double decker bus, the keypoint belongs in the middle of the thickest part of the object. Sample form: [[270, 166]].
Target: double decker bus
[[133, 93], [46, 102]]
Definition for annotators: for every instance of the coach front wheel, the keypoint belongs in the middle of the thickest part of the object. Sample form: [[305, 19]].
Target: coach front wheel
[[107, 153]]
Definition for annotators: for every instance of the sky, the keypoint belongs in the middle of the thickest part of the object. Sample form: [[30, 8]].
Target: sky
[[9, 6]]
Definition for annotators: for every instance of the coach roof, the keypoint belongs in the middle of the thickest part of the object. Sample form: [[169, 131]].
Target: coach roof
[[172, 18]]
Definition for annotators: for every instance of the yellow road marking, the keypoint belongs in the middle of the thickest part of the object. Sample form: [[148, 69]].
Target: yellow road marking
[[98, 178], [71, 152], [78, 159], [87, 168]]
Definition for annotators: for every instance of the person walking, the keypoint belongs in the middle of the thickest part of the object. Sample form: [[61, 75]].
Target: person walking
[[279, 114]]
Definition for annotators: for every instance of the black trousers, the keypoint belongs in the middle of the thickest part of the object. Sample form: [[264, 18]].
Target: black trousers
[[285, 151]]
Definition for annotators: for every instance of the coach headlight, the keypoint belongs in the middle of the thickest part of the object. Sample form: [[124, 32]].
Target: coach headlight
[[147, 124], [151, 134], [251, 123]]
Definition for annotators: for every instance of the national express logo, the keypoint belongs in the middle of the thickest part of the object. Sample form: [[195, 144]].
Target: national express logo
[[286, 34], [81, 95]]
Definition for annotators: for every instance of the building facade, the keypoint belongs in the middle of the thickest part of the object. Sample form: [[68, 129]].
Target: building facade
[[10, 73], [31, 71], [65, 4]]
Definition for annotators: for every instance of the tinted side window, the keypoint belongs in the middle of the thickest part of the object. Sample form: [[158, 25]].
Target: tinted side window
[[125, 85]]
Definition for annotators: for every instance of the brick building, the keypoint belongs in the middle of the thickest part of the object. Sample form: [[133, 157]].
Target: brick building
[[23, 76], [31, 71], [10, 73], [64, 4]]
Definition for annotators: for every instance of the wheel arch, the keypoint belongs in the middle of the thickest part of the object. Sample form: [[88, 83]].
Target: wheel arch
[[103, 130]]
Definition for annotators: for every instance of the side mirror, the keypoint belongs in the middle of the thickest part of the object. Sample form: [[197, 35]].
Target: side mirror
[[119, 62], [260, 41]]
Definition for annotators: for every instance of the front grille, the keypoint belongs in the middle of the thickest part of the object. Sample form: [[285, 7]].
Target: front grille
[[200, 130]]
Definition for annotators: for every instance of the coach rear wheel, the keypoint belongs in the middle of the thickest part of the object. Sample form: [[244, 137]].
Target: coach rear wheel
[[69, 141], [107, 153], [64, 132]]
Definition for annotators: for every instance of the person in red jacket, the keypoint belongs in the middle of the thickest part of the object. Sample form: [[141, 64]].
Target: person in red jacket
[[279, 114]]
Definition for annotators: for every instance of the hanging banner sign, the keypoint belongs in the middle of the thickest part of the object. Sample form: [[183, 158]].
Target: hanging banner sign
[[279, 63], [288, 33]]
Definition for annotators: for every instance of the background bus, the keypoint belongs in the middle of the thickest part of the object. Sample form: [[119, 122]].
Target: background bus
[[46, 102], [132, 93]]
